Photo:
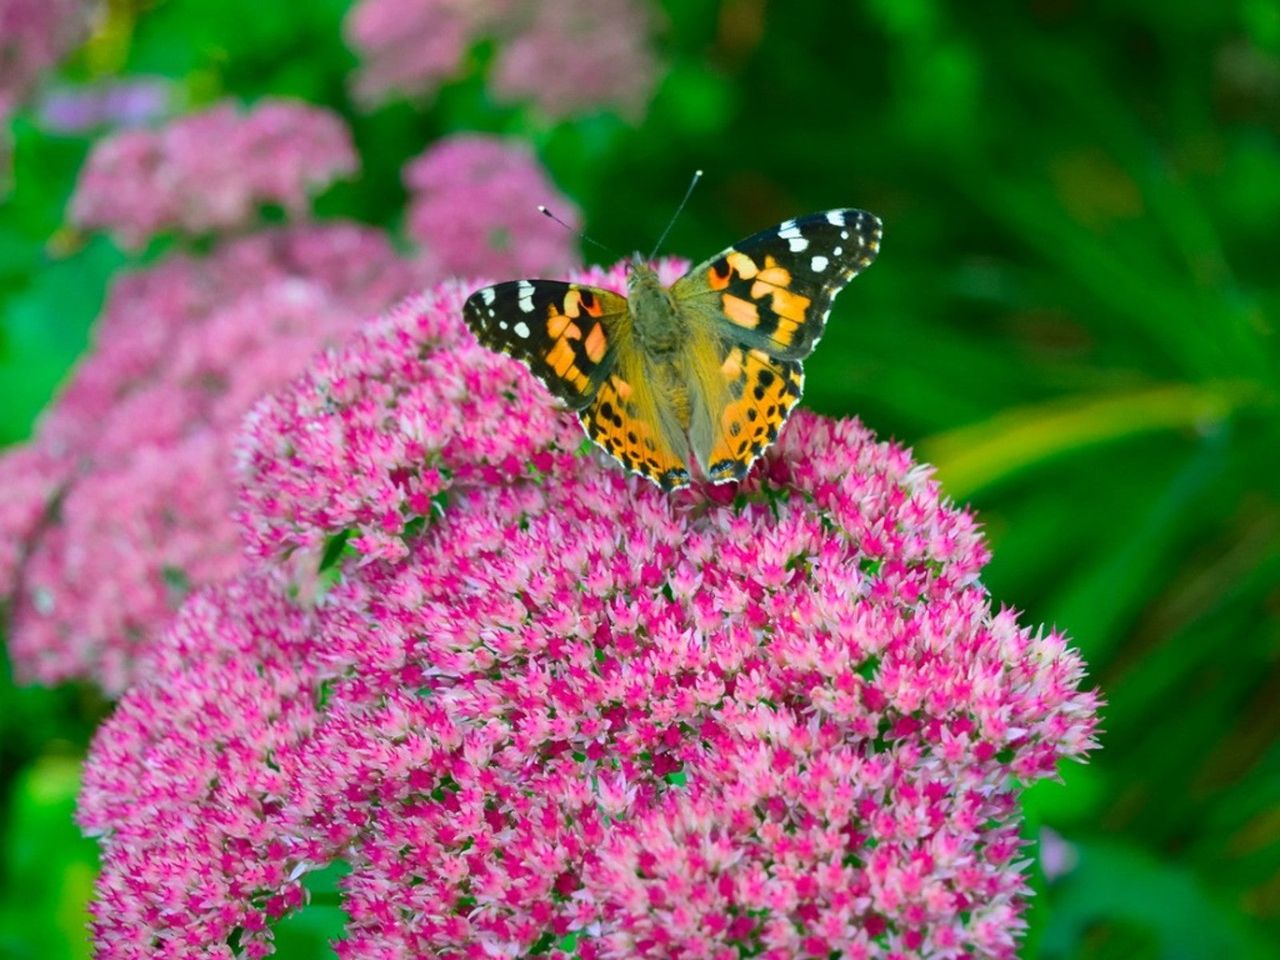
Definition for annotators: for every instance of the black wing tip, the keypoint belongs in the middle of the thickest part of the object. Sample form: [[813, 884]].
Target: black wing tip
[[869, 229], [855, 217], [861, 225]]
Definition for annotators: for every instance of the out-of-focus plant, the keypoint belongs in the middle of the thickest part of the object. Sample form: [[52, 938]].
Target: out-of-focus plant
[[563, 56], [469, 210], [122, 504], [35, 35]]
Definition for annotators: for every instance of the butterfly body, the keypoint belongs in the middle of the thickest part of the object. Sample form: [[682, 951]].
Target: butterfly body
[[659, 328], [707, 369]]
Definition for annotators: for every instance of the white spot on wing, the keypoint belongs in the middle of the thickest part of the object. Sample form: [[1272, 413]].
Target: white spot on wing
[[791, 233], [835, 218], [838, 250], [488, 296], [818, 264], [521, 329], [525, 291], [844, 234]]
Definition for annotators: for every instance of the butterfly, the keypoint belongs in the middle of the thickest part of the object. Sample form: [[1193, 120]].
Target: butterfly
[[708, 368]]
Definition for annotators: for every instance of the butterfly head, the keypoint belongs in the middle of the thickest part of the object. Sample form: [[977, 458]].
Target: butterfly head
[[643, 284], [640, 275]]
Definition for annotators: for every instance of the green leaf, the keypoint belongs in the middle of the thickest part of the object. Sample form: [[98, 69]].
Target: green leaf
[[977, 456], [1119, 895], [46, 867], [310, 931], [45, 327]]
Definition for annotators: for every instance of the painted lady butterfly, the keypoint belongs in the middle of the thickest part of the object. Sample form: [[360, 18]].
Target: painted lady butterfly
[[709, 365]]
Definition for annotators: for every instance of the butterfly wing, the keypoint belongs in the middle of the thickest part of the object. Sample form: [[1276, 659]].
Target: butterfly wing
[[754, 312], [633, 419], [741, 397], [578, 341], [775, 289], [563, 332]]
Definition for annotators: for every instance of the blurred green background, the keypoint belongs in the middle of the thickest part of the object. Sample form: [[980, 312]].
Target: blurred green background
[[1074, 316]]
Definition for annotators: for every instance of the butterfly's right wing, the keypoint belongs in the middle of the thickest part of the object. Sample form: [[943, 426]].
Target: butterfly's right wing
[[754, 312], [773, 290], [564, 332]]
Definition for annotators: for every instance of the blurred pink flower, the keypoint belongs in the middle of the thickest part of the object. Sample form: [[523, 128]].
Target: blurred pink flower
[[474, 209], [544, 699], [575, 56], [411, 46], [563, 56], [28, 475], [131, 465], [34, 35], [211, 171]]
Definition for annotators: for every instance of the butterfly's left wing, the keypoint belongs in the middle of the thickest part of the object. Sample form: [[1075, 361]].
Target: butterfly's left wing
[[562, 331], [754, 312]]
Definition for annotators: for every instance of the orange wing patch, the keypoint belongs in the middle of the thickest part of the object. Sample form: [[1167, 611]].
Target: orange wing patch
[[758, 297], [761, 394], [742, 312], [575, 318], [613, 420]]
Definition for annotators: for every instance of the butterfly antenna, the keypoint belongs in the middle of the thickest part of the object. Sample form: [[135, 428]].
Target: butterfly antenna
[[697, 175], [551, 216]]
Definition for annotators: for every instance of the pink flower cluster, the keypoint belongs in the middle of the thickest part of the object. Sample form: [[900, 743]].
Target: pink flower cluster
[[28, 475], [563, 56], [546, 708], [474, 209], [412, 46], [34, 35], [185, 789], [124, 499], [211, 171], [573, 56]]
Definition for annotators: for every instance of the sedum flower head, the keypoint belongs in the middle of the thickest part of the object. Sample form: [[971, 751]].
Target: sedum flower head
[[27, 477], [184, 788], [34, 35], [124, 498], [564, 57], [537, 705], [411, 46], [601, 51], [211, 171], [474, 209]]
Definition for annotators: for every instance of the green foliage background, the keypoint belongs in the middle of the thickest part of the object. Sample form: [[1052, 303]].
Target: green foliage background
[[1074, 316]]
